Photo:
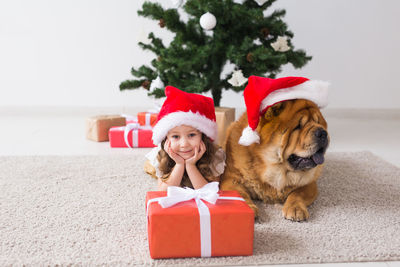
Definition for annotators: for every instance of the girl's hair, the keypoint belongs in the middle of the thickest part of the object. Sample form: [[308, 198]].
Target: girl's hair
[[203, 164]]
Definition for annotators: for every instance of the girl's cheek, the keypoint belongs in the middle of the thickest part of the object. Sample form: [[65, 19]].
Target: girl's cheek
[[173, 146]]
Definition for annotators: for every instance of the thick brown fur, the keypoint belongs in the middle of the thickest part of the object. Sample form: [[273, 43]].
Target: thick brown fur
[[262, 171]]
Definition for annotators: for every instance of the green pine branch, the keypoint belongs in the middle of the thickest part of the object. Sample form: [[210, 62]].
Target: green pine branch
[[194, 59]]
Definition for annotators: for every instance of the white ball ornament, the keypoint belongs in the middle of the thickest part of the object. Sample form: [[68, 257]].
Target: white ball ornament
[[208, 21]]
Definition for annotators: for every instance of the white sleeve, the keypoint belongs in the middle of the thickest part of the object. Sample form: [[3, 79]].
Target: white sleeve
[[218, 163], [152, 157]]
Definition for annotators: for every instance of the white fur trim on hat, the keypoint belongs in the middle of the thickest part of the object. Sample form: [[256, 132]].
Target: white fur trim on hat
[[315, 91], [196, 120], [249, 137]]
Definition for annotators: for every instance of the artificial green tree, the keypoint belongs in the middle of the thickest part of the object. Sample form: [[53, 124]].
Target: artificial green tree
[[193, 61]]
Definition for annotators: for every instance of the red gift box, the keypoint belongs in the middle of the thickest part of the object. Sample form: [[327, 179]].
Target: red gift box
[[147, 118], [131, 135], [177, 231]]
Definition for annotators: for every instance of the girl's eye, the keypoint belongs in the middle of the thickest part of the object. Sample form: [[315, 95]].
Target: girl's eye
[[192, 135], [175, 136]]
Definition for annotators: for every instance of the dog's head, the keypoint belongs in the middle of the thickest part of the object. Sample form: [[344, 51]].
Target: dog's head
[[295, 132]]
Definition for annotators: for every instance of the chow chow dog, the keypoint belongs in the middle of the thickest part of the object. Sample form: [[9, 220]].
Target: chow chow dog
[[286, 163]]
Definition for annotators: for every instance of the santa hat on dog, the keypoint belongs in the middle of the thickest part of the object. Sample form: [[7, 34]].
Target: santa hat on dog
[[182, 108], [261, 93]]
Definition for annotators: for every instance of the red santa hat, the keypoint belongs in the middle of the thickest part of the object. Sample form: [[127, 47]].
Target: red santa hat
[[262, 93], [182, 108]]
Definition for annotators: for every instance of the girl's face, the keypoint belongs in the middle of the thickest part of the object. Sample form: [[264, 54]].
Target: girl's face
[[184, 140]]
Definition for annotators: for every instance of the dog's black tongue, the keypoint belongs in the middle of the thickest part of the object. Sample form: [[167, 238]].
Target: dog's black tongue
[[318, 158]]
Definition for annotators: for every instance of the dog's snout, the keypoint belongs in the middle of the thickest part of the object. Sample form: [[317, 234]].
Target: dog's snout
[[321, 133], [321, 137]]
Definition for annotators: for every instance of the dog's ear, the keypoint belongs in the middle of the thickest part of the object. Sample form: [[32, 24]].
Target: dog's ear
[[274, 111]]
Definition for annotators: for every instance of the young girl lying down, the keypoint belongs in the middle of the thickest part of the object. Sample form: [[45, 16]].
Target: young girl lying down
[[186, 155]]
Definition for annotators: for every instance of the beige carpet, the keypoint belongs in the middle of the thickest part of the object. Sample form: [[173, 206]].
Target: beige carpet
[[90, 210]]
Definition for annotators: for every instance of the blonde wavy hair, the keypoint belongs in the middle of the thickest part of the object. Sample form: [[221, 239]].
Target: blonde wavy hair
[[203, 164]]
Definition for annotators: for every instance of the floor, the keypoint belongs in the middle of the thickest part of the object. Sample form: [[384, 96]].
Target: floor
[[61, 131]]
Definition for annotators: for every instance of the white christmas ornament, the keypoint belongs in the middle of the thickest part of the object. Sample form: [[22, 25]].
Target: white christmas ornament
[[239, 1], [157, 83], [237, 78], [176, 3], [261, 2], [208, 21], [281, 44]]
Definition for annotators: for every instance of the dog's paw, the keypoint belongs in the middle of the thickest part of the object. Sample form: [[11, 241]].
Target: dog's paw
[[254, 208], [295, 212]]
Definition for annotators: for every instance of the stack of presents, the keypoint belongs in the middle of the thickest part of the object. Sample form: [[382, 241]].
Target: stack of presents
[[183, 222], [136, 131], [122, 130]]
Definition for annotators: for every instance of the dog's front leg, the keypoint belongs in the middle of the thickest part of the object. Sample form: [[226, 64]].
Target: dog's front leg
[[295, 207], [228, 183]]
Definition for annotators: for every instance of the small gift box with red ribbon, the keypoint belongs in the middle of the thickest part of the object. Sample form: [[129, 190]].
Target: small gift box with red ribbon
[[184, 222], [132, 135], [147, 118]]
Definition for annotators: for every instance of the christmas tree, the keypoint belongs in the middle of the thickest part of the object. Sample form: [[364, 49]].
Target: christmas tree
[[215, 34]]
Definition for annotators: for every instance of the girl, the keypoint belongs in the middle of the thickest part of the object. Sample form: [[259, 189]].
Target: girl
[[184, 133]]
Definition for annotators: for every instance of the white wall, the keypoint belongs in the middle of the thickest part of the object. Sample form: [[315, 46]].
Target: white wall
[[75, 53]]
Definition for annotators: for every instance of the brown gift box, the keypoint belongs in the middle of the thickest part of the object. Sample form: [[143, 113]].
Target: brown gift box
[[225, 116], [97, 127]]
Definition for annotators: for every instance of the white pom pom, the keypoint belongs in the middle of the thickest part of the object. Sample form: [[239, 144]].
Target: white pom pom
[[249, 137], [208, 21]]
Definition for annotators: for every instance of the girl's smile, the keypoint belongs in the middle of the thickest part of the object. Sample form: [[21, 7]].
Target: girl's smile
[[184, 140]]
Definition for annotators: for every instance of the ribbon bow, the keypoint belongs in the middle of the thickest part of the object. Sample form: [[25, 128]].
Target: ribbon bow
[[208, 192]]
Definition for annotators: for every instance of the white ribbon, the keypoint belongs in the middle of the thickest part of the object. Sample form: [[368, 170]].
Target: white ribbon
[[130, 127], [149, 113], [134, 127], [147, 119], [209, 193]]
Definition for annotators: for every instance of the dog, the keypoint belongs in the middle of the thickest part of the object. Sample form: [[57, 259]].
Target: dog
[[285, 165]]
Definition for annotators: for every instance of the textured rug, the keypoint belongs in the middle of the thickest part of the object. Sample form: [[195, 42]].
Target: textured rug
[[90, 210]]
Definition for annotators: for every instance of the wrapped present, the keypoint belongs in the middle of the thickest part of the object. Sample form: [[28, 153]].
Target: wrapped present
[[131, 135], [147, 118], [224, 116], [97, 127], [198, 223]]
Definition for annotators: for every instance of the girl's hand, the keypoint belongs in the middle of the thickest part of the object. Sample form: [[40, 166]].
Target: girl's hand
[[199, 152], [175, 157]]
